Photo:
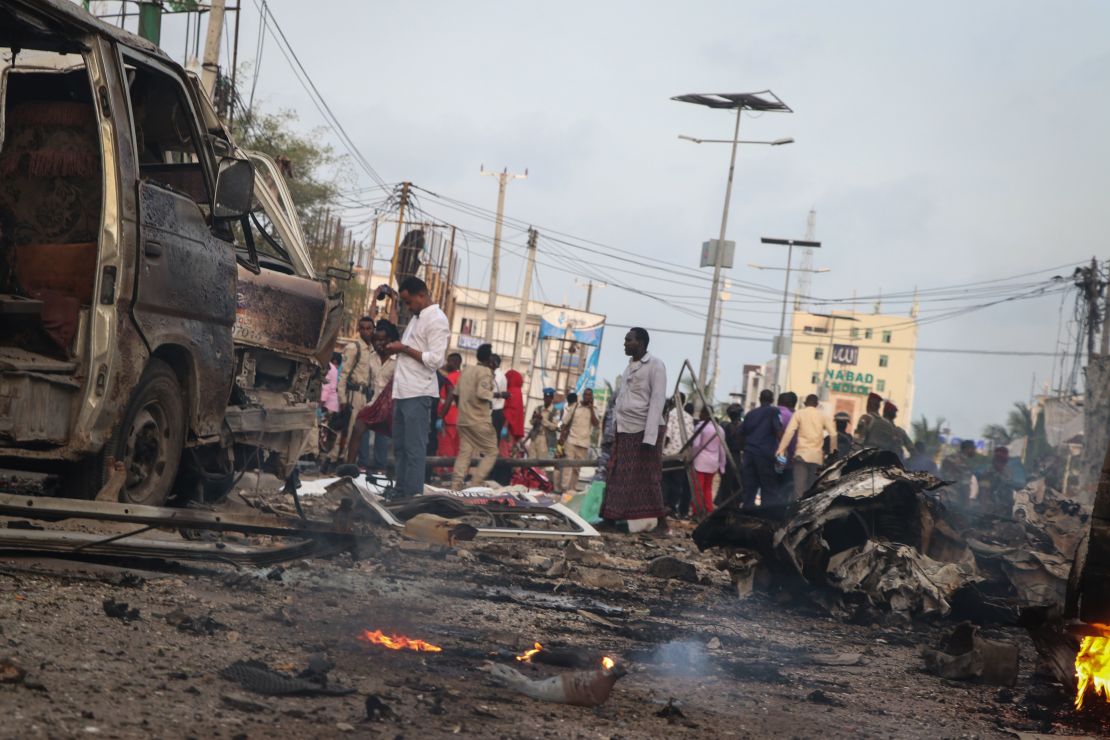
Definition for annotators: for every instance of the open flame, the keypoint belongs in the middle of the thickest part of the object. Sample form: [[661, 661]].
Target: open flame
[[398, 642], [607, 663], [526, 656], [1092, 667]]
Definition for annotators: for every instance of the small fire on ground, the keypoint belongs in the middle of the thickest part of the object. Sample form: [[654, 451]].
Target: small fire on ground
[[398, 642], [1092, 667], [607, 663], [526, 656]]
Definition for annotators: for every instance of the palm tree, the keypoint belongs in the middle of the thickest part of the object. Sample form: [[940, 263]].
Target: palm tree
[[927, 435], [1019, 423], [997, 434]]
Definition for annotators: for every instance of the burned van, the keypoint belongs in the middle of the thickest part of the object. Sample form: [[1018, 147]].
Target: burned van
[[157, 308]]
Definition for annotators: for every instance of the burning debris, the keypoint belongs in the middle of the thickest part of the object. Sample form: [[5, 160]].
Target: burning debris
[[398, 642], [526, 656], [1092, 668], [589, 688]]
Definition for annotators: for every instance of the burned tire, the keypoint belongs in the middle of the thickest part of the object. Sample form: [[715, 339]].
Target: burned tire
[[150, 437]]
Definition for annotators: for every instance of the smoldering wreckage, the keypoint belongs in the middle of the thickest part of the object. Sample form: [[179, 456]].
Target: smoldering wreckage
[[262, 605], [477, 613]]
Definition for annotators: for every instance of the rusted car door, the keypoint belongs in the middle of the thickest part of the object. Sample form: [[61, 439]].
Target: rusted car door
[[185, 294], [277, 202]]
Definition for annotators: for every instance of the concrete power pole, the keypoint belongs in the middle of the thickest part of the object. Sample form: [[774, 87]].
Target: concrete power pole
[[210, 65], [503, 178], [400, 227], [522, 321], [150, 21]]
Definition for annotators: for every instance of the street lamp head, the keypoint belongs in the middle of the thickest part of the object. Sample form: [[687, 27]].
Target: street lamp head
[[763, 100], [689, 138], [781, 142]]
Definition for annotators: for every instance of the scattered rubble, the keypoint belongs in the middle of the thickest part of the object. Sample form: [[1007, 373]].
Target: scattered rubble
[[668, 566], [120, 610], [256, 676], [967, 656], [11, 671], [871, 537]]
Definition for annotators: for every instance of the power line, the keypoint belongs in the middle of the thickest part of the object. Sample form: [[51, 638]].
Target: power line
[[944, 350], [317, 98]]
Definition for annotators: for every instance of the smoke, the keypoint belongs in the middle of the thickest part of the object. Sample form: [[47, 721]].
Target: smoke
[[680, 658]]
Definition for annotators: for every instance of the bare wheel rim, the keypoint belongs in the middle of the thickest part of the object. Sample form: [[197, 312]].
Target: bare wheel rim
[[147, 450]]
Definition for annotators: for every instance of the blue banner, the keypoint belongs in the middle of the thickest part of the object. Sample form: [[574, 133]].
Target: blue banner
[[591, 336], [549, 330], [589, 373]]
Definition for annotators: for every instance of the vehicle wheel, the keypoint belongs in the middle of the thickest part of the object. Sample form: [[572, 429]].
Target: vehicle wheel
[[150, 438]]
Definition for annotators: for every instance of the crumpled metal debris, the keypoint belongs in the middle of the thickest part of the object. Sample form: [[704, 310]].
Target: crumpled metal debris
[[873, 534], [897, 577], [967, 656]]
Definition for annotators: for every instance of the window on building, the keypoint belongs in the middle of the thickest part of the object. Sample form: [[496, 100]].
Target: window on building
[[819, 353], [880, 385], [883, 360], [815, 378], [855, 333], [887, 337], [868, 333]]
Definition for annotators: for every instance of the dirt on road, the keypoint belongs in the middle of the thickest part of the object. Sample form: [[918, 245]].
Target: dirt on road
[[701, 662]]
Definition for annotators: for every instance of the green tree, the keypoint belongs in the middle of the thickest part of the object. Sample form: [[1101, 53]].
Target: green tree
[[928, 435], [1019, 422], [997, 434], [314, 172]]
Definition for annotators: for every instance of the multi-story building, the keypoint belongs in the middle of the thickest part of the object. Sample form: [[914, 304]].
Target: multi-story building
[[843, 356], [569, 339]]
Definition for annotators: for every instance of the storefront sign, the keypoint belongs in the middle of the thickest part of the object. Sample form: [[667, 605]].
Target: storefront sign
[[849, 381], [845, 354], [467, 341]]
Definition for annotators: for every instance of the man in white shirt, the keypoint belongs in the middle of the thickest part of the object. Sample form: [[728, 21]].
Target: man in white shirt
[[500, 393], [415, 388]]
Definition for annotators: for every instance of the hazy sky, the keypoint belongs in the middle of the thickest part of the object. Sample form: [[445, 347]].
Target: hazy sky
[[940, 143]]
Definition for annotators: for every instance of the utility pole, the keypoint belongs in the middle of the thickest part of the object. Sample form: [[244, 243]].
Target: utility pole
[[150, 20], [448, 299], [522, 320], [503, 178], [400, 225], [210, 64]]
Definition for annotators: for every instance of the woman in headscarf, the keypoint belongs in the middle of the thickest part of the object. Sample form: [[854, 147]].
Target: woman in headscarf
[[514, 407]]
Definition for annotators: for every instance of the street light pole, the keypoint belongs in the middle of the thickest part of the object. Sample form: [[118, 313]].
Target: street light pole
[[764, 101], [789, 244], [703, 369]]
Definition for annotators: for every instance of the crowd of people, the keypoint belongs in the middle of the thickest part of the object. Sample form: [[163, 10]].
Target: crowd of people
[[387, 391]]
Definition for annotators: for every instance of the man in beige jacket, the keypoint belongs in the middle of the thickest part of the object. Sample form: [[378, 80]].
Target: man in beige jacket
[[810, 424], [476, 436]]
